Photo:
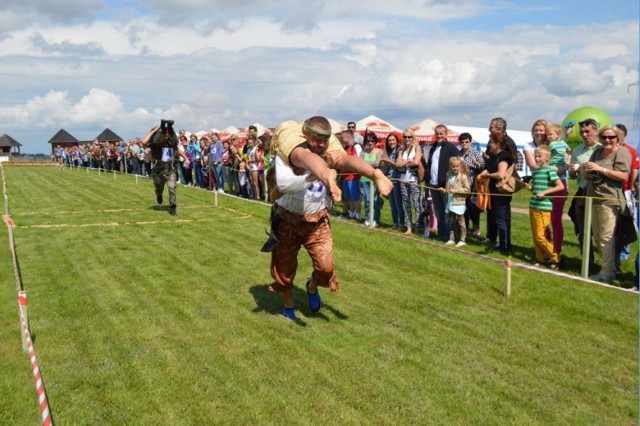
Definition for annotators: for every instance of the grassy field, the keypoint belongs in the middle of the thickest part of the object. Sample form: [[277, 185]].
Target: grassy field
[[141, 317]]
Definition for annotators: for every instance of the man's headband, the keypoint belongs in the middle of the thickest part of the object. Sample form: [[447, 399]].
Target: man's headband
[[319, 133]]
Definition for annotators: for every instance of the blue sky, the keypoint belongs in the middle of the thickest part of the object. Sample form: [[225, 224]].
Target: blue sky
[[85, 65]]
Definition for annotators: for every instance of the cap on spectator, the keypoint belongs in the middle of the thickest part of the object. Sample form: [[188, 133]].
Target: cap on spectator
[[589, 122]]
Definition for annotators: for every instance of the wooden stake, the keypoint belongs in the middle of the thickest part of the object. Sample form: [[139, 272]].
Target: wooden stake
[[507, 278]]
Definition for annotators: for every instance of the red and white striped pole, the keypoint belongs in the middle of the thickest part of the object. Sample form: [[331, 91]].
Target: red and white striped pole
[[37, 378], [22, 300]]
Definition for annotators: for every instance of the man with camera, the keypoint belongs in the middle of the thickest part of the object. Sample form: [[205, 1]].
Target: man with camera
[[163, 144]]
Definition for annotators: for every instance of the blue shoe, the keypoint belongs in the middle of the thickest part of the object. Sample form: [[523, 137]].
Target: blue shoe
[[425, 234], [315, 303], [289, 313]]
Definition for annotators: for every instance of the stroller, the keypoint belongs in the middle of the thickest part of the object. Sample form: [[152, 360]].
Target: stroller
[[205, 177], [427, 220]]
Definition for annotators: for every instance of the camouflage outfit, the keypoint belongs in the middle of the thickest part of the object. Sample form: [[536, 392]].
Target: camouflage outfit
[[163, 150], [164, 172]]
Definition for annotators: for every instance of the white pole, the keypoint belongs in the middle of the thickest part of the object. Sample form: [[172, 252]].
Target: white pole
[[586, 236], [371, 191]]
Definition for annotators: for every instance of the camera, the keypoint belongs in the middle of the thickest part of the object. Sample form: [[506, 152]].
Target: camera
[[595, 177]]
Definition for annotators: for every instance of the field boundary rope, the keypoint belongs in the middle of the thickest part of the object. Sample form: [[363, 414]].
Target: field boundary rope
[[43, 402]]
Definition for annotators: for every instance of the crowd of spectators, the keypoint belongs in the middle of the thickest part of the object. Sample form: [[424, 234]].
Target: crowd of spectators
[[603, 165]]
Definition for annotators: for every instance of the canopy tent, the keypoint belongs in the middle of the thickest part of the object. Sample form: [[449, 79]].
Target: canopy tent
[[226, 133], [481, 134], [480, 137], [425, 133], [380, 127]]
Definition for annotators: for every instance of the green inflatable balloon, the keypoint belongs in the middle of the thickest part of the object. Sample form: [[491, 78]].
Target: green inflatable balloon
[[571, 128]]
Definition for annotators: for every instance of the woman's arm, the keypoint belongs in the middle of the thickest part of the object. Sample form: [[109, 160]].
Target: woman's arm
[[529, 157], [477, 160], [592, 167], [416, 160], [500, 174], [399, 161]]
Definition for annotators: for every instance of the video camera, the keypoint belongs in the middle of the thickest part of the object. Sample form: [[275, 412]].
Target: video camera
[[166, 125]]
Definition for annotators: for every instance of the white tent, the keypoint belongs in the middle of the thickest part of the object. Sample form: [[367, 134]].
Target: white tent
[[378, 126], [425, 132], [480, 137], [481, 134]]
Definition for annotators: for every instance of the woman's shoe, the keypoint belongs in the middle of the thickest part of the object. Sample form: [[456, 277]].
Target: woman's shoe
[[603, 278]]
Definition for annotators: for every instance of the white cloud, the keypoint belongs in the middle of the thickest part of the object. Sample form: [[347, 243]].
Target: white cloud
[[16, 14], [336, 59]]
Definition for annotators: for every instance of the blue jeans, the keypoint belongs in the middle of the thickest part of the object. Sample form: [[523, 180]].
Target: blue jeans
[[499, 222], [198, 170], [395, 201], [367, 200], [217, 172], [439, 204]]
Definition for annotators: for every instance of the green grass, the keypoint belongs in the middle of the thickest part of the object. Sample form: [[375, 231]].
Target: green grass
[[139, 317]]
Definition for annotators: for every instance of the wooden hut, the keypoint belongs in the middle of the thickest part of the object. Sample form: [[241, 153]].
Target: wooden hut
[[9, 148], [108, 136], [62, 139]]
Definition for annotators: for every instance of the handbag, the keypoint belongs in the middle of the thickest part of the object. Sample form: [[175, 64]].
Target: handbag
[[509, 184], [627, 204], [483, 197]]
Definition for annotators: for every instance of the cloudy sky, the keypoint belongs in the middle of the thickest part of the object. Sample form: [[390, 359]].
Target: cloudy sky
[[85, 65]]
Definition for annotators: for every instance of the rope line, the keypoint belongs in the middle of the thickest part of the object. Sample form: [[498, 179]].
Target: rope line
[[35, 368]]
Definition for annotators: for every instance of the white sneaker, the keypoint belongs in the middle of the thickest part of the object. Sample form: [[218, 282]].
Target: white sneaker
[[449, 243], [375, 224], [366, 223], [221, 191], [461, 244]]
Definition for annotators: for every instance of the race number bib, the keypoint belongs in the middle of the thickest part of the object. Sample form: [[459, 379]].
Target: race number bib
[[167, 154], [315, 191]]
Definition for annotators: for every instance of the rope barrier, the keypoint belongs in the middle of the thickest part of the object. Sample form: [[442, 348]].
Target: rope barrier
[[22, 303], [484, 257], [421, 185]]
